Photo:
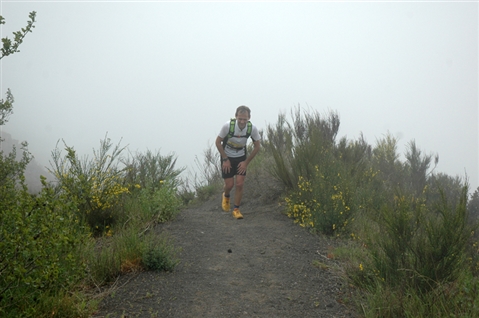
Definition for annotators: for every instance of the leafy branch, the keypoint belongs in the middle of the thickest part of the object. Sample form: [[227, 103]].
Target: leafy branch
[[9, 46]]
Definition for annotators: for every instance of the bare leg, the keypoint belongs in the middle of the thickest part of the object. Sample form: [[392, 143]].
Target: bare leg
[[229, 184], [239, 189]]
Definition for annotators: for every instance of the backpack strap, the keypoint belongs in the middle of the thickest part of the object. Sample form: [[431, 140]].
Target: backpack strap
[[232, 127], [230, 133], [249, 128]]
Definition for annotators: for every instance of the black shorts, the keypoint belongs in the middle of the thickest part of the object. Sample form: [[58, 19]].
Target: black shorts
[[234, 167]]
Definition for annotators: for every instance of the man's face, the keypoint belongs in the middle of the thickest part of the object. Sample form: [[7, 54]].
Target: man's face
[[242, 119]]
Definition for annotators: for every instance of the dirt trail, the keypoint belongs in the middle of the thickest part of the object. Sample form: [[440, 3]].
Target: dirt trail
[[261, 266]]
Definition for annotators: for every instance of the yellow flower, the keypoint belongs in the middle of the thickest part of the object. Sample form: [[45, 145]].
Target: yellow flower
[[361, 267]]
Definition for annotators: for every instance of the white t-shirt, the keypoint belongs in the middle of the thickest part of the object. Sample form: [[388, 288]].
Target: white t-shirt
[[235, 145]]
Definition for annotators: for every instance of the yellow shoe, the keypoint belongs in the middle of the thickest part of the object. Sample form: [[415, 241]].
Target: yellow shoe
[[237, 214], [226, 203]]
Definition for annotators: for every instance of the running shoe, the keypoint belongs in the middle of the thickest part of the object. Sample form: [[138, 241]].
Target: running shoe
[[237, 214], [226, 203]]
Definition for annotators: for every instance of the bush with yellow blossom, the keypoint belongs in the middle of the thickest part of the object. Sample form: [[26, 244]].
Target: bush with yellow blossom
[[95, 184]]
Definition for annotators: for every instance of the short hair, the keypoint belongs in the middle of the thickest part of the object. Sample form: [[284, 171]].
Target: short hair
[[243, 109]]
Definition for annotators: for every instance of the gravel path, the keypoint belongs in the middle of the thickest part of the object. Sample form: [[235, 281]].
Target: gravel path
[[261, 266]]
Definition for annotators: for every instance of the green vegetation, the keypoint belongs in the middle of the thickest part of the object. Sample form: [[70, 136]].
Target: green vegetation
[[95, 222], [410, 248], [412, 251]]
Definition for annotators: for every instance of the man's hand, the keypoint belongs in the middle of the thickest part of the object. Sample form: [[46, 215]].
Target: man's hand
[[226, 166], [242, 166]]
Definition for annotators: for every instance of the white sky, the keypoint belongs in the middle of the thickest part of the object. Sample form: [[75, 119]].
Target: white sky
[[167, 75]]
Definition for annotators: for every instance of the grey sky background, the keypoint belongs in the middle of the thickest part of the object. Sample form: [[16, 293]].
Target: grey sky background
[[167, 75]]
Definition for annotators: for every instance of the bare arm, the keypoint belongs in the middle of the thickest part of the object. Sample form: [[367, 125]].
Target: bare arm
[[220, 148], [225, 165]]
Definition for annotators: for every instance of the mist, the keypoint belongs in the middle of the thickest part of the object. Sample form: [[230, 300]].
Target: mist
[[167, 75]]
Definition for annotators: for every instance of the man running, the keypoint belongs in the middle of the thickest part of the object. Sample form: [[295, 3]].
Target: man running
[[231, 143]]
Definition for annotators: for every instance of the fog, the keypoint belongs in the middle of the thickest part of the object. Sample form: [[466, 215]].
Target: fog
[[167, 75]]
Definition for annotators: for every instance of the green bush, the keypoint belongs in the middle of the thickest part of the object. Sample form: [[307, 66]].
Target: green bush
[[416, 251], [325, 179], [46, 251], [159, 254], [150, 170], [458, 299], [419, 258], [298, 148], [321, 202], [161, 205], [473, 206], [97, 185], [130, 243], [134, 248], [205, 192], [40, 237]]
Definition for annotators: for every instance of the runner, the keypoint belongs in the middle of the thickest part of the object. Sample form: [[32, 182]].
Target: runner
[[231, 143]]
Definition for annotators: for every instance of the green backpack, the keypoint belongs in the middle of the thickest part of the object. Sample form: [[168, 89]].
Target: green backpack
[[249, 128]]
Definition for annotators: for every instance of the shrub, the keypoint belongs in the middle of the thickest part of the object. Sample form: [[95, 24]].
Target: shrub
[[422, 244], [149, 170], [161, 205], [39, 241], [159, 253], [279, 143], [419, 257], [324, 178], [417, 168], [95, 185], [415, 253], [131, 249], [299, 147], [327, 199], [473, 205], [385, 160]]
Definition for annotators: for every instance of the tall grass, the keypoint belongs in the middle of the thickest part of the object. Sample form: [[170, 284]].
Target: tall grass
[[130, 250]]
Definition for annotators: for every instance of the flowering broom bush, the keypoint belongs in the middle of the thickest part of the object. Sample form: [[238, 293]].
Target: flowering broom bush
[[322, 202], [325, 180], [96, 185]]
